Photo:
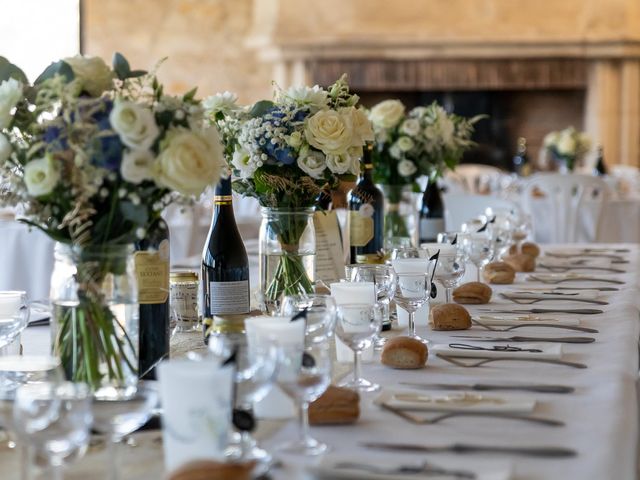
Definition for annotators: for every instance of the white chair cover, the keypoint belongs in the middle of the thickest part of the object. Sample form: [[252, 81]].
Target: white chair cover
[[459, 208]]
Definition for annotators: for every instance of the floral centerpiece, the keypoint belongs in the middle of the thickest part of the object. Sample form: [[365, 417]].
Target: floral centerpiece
[[286, 153], [93, 154], [567, 147], [423, 142]]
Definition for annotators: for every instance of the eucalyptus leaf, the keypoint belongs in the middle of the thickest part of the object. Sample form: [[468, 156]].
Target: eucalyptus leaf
[[190, 95], [137, 73], [9, 70], [121, 66], [60, 67], [260, 108]]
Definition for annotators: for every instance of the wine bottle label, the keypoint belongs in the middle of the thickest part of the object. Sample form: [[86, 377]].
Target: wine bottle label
[[430, 228], [152, 274], [229, 297], [361, 228]]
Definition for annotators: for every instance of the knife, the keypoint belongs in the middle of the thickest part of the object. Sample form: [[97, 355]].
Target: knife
[[530, 339], [564, 268], [463, 448], [484, 387], [578, 311], [555, 297]]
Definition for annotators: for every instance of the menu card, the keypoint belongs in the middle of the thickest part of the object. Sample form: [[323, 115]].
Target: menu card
[[329, 252]]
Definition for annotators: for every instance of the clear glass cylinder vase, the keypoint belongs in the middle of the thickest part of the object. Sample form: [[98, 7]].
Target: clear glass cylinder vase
[[95, 321], [287, 250], [400, 214]]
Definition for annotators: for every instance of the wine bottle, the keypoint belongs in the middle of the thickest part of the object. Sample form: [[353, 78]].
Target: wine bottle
[[601, 168], [225, 266], [431, 214], [520, 159], [366, 216], [152, 272]]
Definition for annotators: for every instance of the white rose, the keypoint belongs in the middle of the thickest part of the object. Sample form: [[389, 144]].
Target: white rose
[[339, 164], [566, 144], [404, 144], [294, 140], [10, 95], [189, 161], [355, 165], [387, 114], [315, 97], [5, 148], [407, 168], [395, 152], [41, 176], [135, 124], [410, 127], [91, 73], [241, 161], [312, 163], [136, 166], [329, 131], [362, 130], [220, 102], [550, 139]]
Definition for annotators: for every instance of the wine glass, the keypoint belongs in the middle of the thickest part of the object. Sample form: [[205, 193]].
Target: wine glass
[[500, 229], [14, 315], [319, 311], [522, 227], [449, 270], [479, 249], [383, 278], [119, 415], [412, 292], [54, 419], [357, 324], [304, 373]]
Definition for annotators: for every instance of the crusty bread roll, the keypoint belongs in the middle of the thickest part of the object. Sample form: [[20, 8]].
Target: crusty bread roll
[[449, 316], [500, 273], [529, 248], [404, 353], [212, 470], [336, 406], [473, 293], [521, 262]]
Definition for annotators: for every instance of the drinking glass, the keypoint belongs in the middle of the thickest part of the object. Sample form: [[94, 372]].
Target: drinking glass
[[320, 314], [479, 249], [522, 229], [54, 419], [14, 315], [383, 278], [304, 373], [450, 269], [412, 292], [357, 324], [118, 415], [500, 229], [408, 252]]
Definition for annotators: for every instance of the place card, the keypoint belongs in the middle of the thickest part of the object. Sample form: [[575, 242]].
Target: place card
[[329, 250]]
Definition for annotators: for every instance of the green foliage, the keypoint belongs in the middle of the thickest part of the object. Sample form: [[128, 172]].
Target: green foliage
[[122, 68], [60, 67], [9, 70], [261, 108]]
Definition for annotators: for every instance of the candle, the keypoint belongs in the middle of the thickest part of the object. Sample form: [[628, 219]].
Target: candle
[[349, 293]]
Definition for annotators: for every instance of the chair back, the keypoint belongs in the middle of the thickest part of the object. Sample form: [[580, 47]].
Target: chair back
[[565, 194], [462, 207], [474, 178]]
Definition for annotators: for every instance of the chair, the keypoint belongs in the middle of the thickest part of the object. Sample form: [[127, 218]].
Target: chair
[[567, 194], [474, 178], [460, 208]]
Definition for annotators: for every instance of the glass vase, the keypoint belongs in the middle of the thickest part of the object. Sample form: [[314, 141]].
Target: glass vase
[[400, 214], [287, 255], [95, 321]]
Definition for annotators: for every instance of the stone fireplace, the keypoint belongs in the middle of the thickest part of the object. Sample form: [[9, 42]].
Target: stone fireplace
[[533, 66]]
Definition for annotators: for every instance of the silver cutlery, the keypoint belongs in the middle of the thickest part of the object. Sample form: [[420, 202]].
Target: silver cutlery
[[529, 339], [577, 311], [485, 387], [576, 279], [531, 300], [558, 290], [426, 469], [416, 420], [480, 361], [523, 325], [566, 268], [464, 448]]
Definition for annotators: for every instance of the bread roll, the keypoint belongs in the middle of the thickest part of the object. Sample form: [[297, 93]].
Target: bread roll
[[500, 273], [521, 262], [473, 293], [404, 353], [336, 406], [529, 248], [449, 316], [211, 470]]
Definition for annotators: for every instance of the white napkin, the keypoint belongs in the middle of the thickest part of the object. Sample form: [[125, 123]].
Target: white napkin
[[551, 351]]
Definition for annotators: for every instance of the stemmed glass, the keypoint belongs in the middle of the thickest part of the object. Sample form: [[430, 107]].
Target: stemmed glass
[[479, 249], [357, 324], [450, 269], [304, 373], [55, 420], [412, 292], [521, 230], [383, 278], [500, 230], [14, 315], [119, 415], [319, 312]]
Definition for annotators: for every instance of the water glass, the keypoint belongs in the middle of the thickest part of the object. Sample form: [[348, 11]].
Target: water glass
[[54, 420], [408, 252], [522, 230], [14, 315], [450, 270], [383, 278], [479, 249], [320, 312], [357, 325], [304, 373], [412, 292]]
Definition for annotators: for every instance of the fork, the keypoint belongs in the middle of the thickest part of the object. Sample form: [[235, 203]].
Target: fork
[[513, 327], [530, 301], [426, 468], [576, 279], [557, 268], [446, 415], [455, 360]]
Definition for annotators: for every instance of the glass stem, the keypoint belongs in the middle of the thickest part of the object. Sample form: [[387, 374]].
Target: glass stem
[[478, 270], [356, 366], [303, 423], [112, 458], [56, 472], [385, 311], [412, 323], [447, 294]]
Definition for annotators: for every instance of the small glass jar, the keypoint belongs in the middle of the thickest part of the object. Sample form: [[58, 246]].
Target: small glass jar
[[183, 300]]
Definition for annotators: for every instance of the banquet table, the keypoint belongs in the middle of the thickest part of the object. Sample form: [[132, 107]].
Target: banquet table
[[601, 415]]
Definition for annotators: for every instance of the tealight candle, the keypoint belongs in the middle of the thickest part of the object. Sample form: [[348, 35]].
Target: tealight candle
[[349, 293]]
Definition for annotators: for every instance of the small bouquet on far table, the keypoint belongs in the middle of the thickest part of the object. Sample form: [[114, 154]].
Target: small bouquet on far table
[[426, 141], [567, 147], [94, 153], [286, 153]]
